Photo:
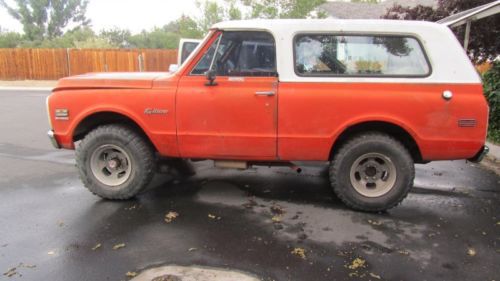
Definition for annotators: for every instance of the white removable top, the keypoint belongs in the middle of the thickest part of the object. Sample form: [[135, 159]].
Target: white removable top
[[448, 59]]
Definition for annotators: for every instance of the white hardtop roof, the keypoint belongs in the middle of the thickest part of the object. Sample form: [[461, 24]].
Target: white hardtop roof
[[449, 62], [333, 25]]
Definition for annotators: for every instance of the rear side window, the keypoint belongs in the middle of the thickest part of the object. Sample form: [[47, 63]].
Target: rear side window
[[359, 55]]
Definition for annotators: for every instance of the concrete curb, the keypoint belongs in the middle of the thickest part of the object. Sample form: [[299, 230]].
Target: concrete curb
[[26, 88], [494, 153]]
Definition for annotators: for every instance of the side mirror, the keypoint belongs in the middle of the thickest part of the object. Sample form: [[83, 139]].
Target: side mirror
[[173, 68], [211, 75]]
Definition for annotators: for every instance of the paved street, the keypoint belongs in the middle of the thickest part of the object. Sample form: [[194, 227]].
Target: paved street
[[51, 228]]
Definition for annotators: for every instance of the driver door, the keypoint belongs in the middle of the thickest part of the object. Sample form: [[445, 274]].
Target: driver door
[[236, 118]]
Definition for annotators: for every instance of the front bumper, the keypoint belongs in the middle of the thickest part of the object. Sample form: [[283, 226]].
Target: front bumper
[[480, 155], [53, 140]]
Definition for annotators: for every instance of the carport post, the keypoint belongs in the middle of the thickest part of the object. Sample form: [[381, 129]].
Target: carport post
[[467, 34]]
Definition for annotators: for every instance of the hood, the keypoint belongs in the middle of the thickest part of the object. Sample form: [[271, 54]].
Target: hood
[[111, 80]]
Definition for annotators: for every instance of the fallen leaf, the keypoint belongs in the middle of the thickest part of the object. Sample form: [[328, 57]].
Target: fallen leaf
[[170, 216], [300, 252], [131, 274], [250, 204], [119, 246], [357, 263], [374, 222], [11, 272], [471, 252], [374, 275], [277, 209], [96, 247], [131, 207], [276, 218]]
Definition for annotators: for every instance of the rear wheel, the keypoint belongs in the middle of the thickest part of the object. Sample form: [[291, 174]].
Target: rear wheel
[[115, 162], [372, 172]]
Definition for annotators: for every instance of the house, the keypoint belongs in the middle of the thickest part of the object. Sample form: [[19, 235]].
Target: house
[[350, 10]]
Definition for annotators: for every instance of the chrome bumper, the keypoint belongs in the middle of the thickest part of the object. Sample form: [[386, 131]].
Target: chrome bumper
[[480, 155], [53, 139]]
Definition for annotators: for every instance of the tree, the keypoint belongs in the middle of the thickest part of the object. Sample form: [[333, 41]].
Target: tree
[[185, 26], [484, 43], [117, 37], [42, 19], [212, 13], [9, 39], [285, 9], [491, 81], [70, 39], [232, 11], [158, 38], [366, 1]]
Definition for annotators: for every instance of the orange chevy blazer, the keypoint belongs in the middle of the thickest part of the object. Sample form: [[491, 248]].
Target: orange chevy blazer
[[372, 97]]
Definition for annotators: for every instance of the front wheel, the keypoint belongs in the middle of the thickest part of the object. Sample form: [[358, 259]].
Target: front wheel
[[372, 172], [115, 162]]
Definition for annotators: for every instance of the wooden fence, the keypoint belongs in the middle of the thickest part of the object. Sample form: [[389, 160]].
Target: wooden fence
[[52, 64]]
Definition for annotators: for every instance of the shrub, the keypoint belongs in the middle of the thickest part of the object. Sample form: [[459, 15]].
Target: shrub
[[491, 81]]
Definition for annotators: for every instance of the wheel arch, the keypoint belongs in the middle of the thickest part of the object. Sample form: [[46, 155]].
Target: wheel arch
[[99, 118], [399, 133]]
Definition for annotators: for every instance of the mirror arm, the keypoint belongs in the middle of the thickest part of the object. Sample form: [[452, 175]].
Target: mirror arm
[[210, 74]]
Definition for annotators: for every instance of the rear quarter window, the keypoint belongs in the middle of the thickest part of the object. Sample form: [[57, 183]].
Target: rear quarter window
[[359, 55]]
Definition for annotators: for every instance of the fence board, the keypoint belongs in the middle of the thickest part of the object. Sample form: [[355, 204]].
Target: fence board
[[159, 61], [52, 64]]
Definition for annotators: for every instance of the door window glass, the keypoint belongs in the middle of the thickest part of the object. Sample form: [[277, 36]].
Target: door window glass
[[241, 53]]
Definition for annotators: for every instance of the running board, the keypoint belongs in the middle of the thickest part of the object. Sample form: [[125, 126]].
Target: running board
[[243, 165], [231, 164]]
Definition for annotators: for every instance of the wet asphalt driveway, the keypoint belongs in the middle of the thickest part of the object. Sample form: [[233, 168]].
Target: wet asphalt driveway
[[51, 228]]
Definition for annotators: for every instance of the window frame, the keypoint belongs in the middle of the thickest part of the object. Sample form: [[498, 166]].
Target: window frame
[[215, 41], [220, 36], [424, 52]]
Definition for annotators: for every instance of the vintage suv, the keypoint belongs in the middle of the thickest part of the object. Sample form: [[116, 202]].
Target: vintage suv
[[373, 97]]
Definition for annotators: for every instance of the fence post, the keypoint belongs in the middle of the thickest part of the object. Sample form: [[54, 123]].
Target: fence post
[[68, 64], [140, 58]]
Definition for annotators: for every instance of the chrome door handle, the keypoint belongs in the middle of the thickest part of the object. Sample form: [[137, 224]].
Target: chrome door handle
[[267, 93]]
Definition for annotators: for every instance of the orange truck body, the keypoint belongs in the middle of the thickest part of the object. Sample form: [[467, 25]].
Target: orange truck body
[[301, 121]]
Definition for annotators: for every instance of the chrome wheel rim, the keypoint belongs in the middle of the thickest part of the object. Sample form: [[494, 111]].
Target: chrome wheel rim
[[110, 165], [373, 175]]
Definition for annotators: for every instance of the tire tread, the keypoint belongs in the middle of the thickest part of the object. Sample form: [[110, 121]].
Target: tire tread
[[342, 153], [136, 141]]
